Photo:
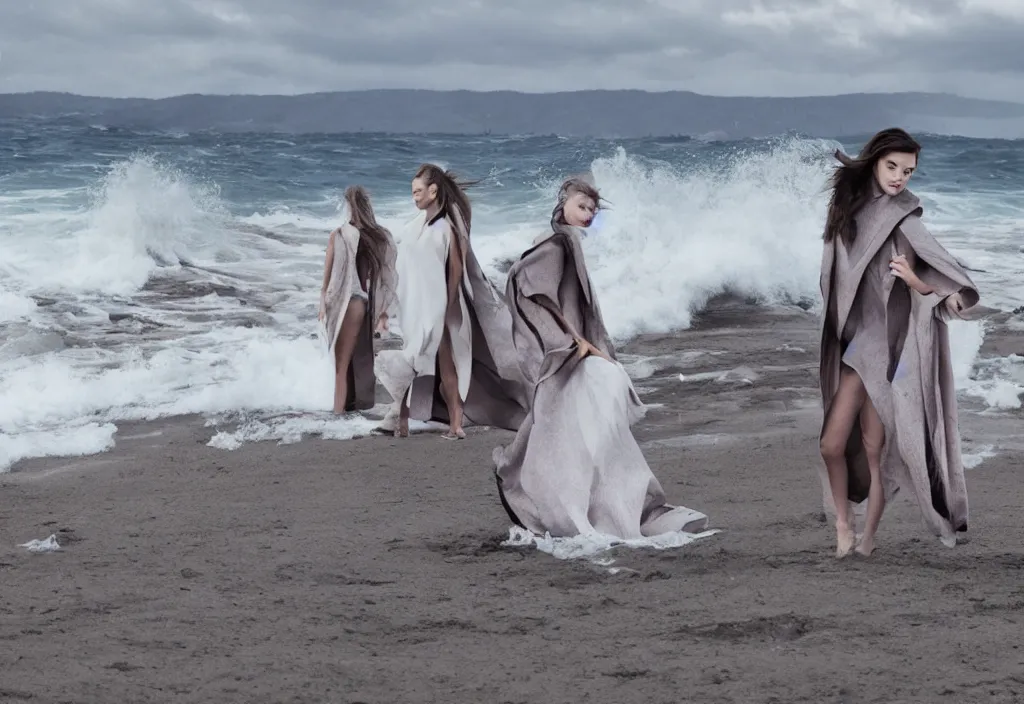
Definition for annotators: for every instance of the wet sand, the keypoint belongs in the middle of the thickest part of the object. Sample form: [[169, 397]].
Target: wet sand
[[371, 570]]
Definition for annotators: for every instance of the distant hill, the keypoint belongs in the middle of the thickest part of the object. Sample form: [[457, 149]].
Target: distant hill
[[618, 113]]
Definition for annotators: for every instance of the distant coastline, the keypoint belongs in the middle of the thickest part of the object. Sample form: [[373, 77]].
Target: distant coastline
[[610, 114]]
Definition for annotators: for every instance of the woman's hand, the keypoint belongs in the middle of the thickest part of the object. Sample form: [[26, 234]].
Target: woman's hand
[[955, 304], [584, 349], [322, 313], [901, 269], [382, 323]]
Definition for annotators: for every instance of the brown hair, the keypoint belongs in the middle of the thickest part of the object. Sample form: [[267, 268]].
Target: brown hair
[[451, 193], [373, 237], [851, 182]]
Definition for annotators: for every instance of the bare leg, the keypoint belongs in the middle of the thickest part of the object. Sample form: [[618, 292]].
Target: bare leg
[[845, 410], [873, 433], [450, 386], [344, 346]]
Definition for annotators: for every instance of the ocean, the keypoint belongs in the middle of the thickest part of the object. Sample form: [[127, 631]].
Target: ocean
[[146, 275]]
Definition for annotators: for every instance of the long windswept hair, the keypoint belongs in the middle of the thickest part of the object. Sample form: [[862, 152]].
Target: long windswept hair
[[373, 237], [851, 181], [451, 194]]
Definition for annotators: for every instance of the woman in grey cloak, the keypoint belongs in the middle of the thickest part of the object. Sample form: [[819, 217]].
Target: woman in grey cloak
[[574, 466], [359, 286], [890, 415], [456, 361]]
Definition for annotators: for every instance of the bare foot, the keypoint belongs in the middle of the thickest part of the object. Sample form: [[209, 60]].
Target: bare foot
[[845, 540], [866, 547]]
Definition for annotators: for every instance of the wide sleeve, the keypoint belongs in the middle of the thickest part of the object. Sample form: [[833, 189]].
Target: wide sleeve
[[935, 266], [533, 296], [387, 288], [539, 272]]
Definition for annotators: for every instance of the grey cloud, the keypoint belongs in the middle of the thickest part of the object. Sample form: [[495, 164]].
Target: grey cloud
[[765, 47]]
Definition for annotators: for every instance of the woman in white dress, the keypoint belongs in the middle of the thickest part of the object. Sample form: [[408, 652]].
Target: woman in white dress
[[457, 361], [360, 284]]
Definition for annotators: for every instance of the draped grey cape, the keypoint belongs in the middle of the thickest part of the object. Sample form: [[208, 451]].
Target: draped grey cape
[[574, 467]]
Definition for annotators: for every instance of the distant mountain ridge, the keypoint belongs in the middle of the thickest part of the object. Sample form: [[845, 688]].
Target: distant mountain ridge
[[613, 113]]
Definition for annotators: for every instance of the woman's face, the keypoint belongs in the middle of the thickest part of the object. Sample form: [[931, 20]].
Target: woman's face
[[422, 194], [579, 210], [893, 171]]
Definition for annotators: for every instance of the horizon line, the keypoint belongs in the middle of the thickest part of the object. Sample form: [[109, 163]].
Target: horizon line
[[513, 92]]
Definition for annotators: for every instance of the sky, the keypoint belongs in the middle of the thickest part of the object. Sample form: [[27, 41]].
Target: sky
[[158, 48]]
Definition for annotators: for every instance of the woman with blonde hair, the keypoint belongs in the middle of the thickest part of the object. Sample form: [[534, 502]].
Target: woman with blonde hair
[[574, 467]]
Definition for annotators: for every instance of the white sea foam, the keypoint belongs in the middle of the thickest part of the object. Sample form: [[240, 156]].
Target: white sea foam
[[975, 457], [999, 382], [85, 439], [14, 307]]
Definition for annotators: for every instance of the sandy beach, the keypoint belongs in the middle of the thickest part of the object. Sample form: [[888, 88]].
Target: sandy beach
[[372, 570]]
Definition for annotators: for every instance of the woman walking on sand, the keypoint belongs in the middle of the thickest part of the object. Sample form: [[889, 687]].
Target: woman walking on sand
[[457, 362], [359, 286], [574, 467], [890, 415]]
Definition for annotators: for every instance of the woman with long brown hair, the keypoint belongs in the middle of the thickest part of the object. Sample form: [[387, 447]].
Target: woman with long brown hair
[[457, 362], [359, 286], [574, 467], [888, 286]]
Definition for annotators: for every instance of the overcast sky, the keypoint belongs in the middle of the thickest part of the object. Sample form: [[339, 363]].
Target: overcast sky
[[155, 48]]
